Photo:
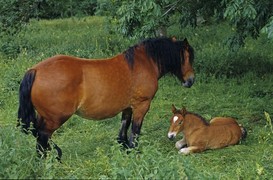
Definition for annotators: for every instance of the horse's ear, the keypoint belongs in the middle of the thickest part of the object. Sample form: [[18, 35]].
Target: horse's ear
[[183, 111], [174, 39], [174, 110]]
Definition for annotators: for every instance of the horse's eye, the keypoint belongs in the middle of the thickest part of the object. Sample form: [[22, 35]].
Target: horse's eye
[[180, 122]]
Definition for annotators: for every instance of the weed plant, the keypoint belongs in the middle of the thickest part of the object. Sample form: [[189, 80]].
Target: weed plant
[[227, 84]]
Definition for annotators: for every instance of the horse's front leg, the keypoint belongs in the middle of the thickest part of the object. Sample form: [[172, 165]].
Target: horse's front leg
[[125, 124], [139, 111]]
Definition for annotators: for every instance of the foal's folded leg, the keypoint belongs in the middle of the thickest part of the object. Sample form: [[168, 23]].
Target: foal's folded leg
[[191, 149], [181, 144]]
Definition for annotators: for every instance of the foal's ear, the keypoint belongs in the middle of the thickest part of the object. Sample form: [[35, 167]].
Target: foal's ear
[[174, 110], [183, 111]]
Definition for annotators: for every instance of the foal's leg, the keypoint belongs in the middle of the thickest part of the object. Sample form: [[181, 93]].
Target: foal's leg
[[191, 149], [125, 124], [181, 144]]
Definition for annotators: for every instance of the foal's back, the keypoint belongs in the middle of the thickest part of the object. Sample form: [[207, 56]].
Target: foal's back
[[222, 121], [223, 131]]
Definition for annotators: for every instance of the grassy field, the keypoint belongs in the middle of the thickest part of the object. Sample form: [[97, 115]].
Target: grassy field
[[227, 84]]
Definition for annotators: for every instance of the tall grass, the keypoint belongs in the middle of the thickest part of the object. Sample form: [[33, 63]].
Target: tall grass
[[227, 84]]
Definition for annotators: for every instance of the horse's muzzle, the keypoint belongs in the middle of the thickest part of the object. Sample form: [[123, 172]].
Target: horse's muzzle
[[189, 82]]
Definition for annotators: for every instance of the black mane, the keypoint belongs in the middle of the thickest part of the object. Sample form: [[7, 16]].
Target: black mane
[[165, 52]]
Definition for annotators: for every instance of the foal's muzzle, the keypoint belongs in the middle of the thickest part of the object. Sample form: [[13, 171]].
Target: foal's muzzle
[[171, 135], [189, 82]]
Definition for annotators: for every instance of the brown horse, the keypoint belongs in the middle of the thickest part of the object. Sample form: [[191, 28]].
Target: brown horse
[[199, 135], [58, 87]]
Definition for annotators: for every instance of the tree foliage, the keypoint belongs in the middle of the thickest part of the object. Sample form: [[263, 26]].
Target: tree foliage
[[143, 18], [248, 17]]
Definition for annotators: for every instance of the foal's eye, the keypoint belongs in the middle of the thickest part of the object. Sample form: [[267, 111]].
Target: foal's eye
[[180, 122]]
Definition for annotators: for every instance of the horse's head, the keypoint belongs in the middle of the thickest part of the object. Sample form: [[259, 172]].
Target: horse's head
[[187, 57], [176, 121], [170, 55]]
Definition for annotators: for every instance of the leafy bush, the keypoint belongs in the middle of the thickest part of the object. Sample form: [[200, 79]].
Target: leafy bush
[[14, 15], [51, 9]]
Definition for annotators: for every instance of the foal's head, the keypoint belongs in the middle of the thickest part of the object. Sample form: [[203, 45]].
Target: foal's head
[[183, 120], [176, 121]]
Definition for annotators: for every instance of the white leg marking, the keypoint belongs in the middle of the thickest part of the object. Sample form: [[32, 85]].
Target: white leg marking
[[180, 144], [184, 151]]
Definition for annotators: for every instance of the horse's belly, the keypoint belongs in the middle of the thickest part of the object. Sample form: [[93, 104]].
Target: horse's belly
[[98, 112], [104, 97], [100, 104]]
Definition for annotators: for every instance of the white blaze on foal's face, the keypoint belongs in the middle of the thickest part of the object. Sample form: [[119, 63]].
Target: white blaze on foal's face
[[172, 131], [175, 118]]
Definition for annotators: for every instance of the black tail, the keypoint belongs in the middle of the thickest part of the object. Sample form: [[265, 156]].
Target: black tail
[[244, 132], [26, 111]]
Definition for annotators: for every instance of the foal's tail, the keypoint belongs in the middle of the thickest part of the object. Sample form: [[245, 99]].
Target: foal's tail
[[26, 111], [244, 132]]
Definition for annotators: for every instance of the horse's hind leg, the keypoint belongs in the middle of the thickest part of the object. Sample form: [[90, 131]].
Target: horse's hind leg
[[43, 145], [59, 151], [44, 132], [125, 124]]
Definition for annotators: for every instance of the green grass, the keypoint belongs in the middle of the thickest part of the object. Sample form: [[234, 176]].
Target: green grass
[[227, 84]]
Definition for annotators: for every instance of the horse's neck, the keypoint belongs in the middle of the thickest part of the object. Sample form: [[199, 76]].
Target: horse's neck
[[142, 61], [192, 123]]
